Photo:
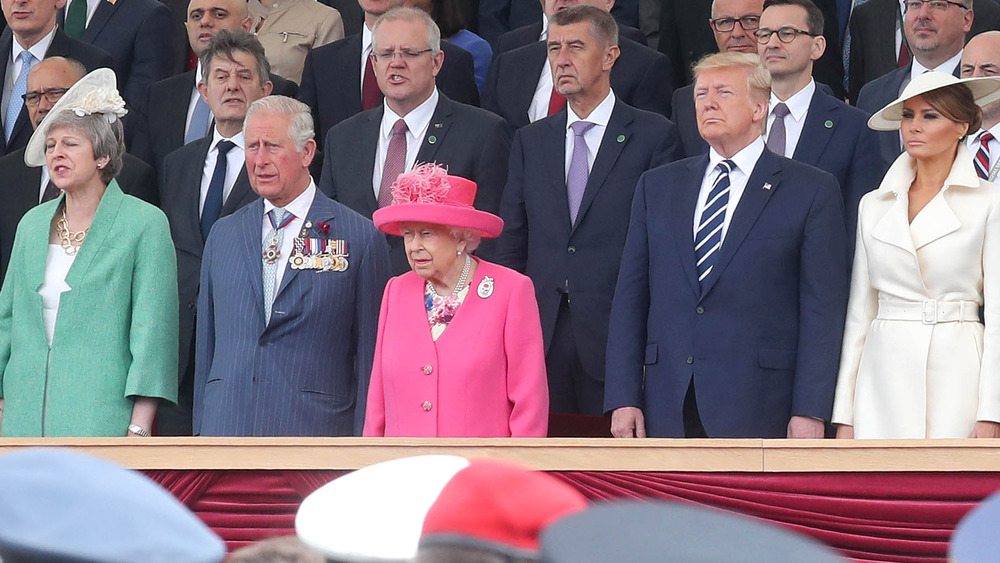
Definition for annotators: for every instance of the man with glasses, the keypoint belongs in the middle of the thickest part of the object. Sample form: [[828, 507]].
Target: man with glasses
[[803, 122], [25, 187], [935, 32], [982, 58], [733, 22], [878, 45], [416, 123], [32, 35]]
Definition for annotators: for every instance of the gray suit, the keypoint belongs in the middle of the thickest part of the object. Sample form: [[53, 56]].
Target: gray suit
[[305, 373]]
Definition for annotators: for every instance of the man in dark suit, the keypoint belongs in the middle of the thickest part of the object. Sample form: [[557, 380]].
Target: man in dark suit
[[641, 77], [733, 22], [282, 351], [205, 180], [137, 33], [564, 226], [175, 102], [497, 17], [471, 142], [332, 82], [936, 38], [32, 31], [538, 31], [803, 122], [25, 187], [728, 316], [876, 38]]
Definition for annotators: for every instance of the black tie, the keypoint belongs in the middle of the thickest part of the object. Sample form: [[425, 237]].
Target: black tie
[[213, 200]]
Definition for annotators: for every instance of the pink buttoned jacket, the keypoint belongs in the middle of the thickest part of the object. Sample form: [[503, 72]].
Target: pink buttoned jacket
[[483, 377]]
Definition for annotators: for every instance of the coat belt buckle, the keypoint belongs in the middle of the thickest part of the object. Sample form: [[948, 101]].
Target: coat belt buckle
[[929, 312]]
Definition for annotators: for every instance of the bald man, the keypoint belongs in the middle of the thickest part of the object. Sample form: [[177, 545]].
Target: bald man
[[25, 187], [982, 58], [178, 115]]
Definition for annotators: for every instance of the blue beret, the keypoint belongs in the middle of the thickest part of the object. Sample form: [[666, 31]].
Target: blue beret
[[59, 506], [661, 532]]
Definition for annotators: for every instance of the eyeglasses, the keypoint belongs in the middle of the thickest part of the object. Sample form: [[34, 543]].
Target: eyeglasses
[[406, 54], [748, 23], [52, 96], [785, 34], [936, 5]]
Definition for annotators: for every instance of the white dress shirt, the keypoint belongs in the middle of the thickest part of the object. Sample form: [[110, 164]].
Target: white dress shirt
[[539, 107], [599, 117], [45, 182], [194, 99], [949, 66], [417, 122], [544, 35], [745, 161], [798, 107], [366, 51], [14, 63], [300, 208], [235, 159], [972, 142]]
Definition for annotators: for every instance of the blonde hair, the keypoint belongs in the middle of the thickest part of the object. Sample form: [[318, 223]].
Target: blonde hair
[[758, 78]]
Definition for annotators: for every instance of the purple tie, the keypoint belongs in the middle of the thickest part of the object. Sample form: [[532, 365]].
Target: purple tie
[[579, 169], [395, 163]]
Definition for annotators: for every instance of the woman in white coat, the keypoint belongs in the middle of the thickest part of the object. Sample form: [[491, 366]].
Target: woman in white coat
[[919, 358]]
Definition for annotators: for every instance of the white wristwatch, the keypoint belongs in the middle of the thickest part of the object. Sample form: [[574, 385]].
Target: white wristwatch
[[138, 430]]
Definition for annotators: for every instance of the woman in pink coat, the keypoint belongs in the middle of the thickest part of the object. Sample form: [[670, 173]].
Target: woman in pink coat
[[459, 350]]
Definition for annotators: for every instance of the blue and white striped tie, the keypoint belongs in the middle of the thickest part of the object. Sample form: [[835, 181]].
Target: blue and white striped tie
[[708, 240]]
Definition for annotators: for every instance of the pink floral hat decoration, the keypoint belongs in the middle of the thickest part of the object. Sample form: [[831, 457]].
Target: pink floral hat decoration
[[427, 194]]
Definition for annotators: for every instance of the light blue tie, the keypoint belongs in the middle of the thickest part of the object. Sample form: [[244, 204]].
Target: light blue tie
[[273, 241], [20, 87], [200, 118], [708, 240]]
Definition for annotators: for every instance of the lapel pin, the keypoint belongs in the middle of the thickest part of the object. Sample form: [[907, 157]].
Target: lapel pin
[[767, 186], [432, 139], [309, 224], [438, 125], [828, 124], [621, 138], [485, 288]]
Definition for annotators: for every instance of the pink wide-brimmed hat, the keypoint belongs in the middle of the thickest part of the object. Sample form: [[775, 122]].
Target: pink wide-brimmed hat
[[427, 194]]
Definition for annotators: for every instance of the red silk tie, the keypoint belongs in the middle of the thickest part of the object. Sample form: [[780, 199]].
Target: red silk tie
[[371, 96], [904, 56], [556, 102]]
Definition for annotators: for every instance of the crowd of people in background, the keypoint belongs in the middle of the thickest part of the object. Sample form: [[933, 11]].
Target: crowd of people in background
[[756, 218]]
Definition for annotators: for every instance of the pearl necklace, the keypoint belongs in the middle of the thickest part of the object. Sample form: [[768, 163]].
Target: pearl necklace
[[441, 310], [69, 240]]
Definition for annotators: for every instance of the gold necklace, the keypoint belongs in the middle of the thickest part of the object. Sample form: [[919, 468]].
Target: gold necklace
[[70, 241]]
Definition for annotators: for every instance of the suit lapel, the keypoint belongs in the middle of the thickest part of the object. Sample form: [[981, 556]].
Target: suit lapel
[[252, 242], [240, 195], [816, 134], [181, 96], [616, 135], [6, 46], [751, 203], [351, 81], [682, 214], [934, 221], [101, 16], [554, 136], [437, 130], [530, 68], [321, 210], [367, 147], [189, 188]]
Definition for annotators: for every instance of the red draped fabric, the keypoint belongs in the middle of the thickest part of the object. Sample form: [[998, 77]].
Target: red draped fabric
[[894, 517]]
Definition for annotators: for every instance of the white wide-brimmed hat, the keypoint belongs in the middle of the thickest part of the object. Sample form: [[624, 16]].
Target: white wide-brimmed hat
[[95, 93], [984, 90]]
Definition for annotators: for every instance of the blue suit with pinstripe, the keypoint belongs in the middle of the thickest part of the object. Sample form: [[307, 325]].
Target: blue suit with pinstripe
[[305, 373]]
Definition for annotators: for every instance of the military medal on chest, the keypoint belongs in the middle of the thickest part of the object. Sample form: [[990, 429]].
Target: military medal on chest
[[317, 252], [272, 252]]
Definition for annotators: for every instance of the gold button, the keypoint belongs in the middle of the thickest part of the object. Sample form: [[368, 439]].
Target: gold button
[[427, 405], [428, 369]]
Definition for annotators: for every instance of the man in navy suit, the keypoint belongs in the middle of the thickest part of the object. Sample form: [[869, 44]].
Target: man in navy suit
[[538, 31], [728, 316], [803, 122], [565, 224], [290, 292], [32, 30], [204, 180], [139, 35], [936, 38]]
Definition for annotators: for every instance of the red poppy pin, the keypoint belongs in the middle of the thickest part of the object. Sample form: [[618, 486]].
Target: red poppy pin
[[323, 227]]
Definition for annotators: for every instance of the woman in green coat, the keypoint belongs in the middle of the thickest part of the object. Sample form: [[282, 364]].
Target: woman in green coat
[[88, 310]]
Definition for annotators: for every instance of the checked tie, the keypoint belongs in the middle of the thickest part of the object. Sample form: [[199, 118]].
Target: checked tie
[[708, 240], [982, 159]]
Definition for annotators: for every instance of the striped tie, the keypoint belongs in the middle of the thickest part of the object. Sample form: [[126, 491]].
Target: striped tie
[[708, 241], [982, 160]]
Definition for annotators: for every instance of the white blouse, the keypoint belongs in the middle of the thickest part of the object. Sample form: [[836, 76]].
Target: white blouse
[[57, 265]]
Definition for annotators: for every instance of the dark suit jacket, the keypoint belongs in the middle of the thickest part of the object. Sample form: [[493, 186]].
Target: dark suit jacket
[[471, 142], [180, 197], [304, 373], [641, 78], [160, 131], [529, 34], [762, 339], [879, 93], [350, 13], [331, 81], [138, 34], [62, 46], [873, 39], [581, 259], [497, 17], [685, 35], [21, 184]]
